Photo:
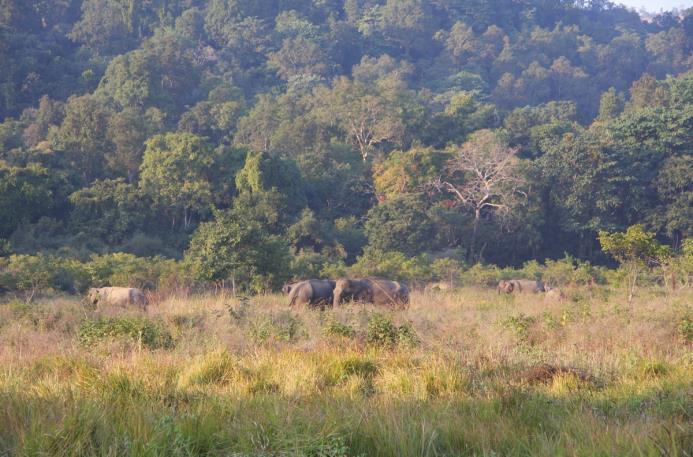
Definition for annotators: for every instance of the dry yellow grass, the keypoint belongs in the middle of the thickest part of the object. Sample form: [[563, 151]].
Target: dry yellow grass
[[254, 377]]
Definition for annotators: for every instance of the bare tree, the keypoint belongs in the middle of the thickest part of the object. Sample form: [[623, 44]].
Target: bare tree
[[483, 176]]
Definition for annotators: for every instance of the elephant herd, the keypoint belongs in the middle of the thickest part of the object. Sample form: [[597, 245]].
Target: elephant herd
[[325, 292], [322, 292]]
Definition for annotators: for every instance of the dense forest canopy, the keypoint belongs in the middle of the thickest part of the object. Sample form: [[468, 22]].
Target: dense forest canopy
[[252, 134]]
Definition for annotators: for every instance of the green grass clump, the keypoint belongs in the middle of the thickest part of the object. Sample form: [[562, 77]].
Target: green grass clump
[[215, 368], [140, 330], [282, 326]]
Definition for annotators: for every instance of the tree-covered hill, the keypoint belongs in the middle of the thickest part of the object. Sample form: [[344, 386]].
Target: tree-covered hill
[[311, 132]]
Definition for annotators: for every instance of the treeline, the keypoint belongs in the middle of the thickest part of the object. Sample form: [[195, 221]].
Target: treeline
[[266, 139]]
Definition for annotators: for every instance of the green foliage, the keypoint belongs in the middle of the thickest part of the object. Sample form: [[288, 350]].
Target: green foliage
[[32, 274], [519, 325], [176, 173], [381, 331], [335, 328], [391, 264], [400, 224], [152, 335], [481, 275], [685, 329], [125, 124], [569, 270], [231, 248], [121, 269], [27, 193], [111, 210]]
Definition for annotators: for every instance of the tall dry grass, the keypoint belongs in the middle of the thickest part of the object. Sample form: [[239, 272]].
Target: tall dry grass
[[463, 372]]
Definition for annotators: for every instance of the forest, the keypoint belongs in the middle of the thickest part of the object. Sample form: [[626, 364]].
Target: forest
[[262, 140]]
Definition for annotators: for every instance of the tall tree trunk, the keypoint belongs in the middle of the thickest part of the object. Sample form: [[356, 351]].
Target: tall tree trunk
[[471, 255]]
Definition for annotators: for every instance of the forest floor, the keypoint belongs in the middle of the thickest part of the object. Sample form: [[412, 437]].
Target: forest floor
[[464, 372]]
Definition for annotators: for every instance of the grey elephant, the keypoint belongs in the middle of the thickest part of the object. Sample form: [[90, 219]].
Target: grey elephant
[[371, 290], [314, 292], [117, 296], [520, 286]]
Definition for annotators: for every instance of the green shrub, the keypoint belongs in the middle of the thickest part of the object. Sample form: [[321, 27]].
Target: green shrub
[[407, 335], [121, 269], [569, 270], [383, 332], [392, 264], [519, 325], [334, 328], [481, 275], [149, 334], [685, 329]]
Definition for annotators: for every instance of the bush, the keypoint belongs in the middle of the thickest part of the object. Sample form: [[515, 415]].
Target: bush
[[519, 325], [121, 269], [392, 265], [31, 274], [684, 329], [481, 275], [568, 271], [149, 334], [334, 328], [383, 332]]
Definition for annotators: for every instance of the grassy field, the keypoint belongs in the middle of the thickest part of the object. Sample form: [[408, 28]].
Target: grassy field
[[464, 372]]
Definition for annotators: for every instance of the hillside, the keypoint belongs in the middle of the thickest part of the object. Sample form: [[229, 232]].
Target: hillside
[[322, 132]]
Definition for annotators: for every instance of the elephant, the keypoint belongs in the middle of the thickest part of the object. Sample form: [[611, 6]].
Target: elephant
[[310, 292], [117, 296], [371, 290], [520, 286], [554, 295]]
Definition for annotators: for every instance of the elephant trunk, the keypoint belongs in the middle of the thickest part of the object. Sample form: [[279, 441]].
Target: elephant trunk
[[336, 297]]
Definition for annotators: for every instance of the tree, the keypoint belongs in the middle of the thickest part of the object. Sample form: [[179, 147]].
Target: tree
[[299, 56], [407, 171], [483, 176], [635, 249], [610, 104], [26, 194], [128, 130], [264, 172], [110, 209], [367, 118], [175, 173], [83, 135], [400, 224], [232, 248]]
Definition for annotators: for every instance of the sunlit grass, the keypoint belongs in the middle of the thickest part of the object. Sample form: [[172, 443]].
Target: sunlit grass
[[477, 374]]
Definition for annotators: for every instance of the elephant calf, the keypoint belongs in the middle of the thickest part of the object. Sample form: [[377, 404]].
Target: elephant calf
[[520, 286], [117, 296], [310, 292], [371, 290]]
